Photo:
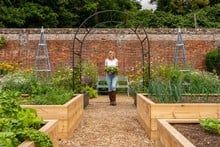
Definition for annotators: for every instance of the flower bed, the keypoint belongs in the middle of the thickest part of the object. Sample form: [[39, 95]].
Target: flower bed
[[50, 128], [68, 115], [149, 112]]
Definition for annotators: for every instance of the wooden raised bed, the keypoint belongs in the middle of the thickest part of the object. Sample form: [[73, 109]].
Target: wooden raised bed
[[149, 112], [68, 115], [169, 136], [50, 128]]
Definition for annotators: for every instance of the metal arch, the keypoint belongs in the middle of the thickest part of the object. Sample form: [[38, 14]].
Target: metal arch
[[219, 58], [145, 51]]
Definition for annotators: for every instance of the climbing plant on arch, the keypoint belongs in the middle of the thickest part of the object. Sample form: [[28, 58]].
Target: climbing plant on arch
[[111, 19]]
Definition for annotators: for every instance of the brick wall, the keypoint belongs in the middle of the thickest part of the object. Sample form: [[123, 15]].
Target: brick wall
[[99, 41]]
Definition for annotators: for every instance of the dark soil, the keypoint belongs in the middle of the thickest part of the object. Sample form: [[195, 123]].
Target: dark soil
[[194, 98], [201, 99], [197, 135]]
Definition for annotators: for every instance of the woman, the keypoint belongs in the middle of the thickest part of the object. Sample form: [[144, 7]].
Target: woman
[[111, 68]]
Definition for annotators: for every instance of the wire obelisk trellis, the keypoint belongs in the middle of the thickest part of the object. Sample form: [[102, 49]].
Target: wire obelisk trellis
[[24, 53], [180, 52], [42, 66]]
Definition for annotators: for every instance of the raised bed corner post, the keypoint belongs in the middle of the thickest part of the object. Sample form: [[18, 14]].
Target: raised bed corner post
[[86, 28]]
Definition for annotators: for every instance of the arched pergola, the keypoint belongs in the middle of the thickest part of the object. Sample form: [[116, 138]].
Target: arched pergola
[[113, 18]]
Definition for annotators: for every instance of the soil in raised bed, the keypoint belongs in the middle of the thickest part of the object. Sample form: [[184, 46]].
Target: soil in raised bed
[[197, 135], [193, 99], [201, 99]]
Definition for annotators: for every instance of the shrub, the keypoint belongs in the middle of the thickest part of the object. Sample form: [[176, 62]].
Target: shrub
[[21, 81], [203, 82], [212, 61], [89, 74], [136, 86], [62, 77]]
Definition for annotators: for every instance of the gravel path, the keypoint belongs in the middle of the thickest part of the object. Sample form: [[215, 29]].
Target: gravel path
[[109, 126]]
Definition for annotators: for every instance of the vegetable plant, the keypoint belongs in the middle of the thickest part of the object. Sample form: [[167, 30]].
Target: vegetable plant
[[18, 124], [112, 70], [25, 82], [169, 84], [91, 91], [211, 125]]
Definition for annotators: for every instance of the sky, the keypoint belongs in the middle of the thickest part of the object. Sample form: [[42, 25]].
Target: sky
[[146, 5]]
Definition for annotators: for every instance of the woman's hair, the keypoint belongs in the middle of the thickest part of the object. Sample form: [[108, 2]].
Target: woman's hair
[[111, 52]]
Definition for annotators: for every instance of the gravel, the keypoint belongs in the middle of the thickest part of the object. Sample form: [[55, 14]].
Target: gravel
[[109, 126]]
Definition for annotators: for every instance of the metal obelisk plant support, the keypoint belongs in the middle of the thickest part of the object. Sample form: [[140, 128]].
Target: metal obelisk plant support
[[42, 66]]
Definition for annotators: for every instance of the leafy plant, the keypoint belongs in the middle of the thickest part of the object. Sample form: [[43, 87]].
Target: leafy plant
[[52, 96], [211, 125], [112, 69], [92, 92], [18, 124], [203, 82], [136, 86], [89, 74], [62, 77], [58, 92]]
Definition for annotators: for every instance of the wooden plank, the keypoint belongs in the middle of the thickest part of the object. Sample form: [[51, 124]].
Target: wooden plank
[[169, 136]]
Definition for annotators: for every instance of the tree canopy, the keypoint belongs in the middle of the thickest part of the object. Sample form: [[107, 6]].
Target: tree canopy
[[183, 6], [71, 13]]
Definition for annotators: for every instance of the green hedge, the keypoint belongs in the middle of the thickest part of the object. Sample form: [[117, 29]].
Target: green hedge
[[212, 61]]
